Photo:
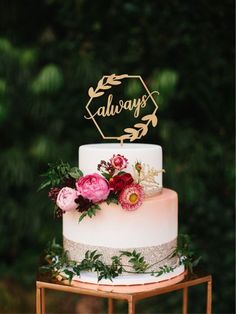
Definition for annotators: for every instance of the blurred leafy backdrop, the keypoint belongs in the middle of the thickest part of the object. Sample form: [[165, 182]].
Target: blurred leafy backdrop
[[51, 51]]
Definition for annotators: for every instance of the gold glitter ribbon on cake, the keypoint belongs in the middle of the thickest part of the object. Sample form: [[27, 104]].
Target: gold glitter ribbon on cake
[[158, 255]]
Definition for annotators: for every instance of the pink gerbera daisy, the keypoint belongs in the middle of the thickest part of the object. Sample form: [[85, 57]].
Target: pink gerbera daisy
[[131, 197]]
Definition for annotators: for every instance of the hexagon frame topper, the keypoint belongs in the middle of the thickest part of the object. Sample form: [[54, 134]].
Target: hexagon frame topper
[[139, 129]]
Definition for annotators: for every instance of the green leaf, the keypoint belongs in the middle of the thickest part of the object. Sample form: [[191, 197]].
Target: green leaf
[[70, 275], [100, 277], [196, 261], [112, 198], [45, 269], [126, 253], [90, 212], [75, 173], [44, 185], [97, 256], [56, 174], [106, 175], [76, 270], [121, 172], [84, 214], [49, 80], [93, 253]]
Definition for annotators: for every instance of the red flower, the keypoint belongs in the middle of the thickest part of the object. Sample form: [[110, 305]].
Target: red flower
[[118, 182]]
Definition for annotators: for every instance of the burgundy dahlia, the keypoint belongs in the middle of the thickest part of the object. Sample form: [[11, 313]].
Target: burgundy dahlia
[[83, 203], [59, 212], [106, 167], [70, 182], [53, 194]]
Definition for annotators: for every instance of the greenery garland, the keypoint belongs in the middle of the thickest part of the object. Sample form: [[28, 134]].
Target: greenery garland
[[58, 262]]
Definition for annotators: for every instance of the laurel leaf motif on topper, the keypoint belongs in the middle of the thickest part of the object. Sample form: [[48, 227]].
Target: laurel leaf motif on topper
[[104, 85], [139, 129]]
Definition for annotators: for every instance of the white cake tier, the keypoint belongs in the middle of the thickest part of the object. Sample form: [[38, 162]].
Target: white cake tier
[[90, 156], [154, 223]]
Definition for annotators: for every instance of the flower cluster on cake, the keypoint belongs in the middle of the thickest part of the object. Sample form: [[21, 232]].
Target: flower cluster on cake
[[71, 190]]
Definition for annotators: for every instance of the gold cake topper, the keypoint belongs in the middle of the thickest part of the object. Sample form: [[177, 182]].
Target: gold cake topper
[[103, 104]]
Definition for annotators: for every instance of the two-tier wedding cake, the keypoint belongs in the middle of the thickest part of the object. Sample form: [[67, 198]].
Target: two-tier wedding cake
[[145, 222]]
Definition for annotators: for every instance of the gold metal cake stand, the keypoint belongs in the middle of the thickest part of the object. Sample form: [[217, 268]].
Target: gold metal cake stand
[[131, 294]]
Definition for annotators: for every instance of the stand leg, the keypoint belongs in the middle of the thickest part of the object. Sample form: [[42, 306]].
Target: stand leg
[[209, 297], [131, 306], [185, 300], [110, 306], [43, 300], [38, 301]]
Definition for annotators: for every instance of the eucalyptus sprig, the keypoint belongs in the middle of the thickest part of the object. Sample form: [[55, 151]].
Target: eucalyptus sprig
[[136, 260], [59, 263], [162, 270], [56, 258], [186, 253], [57, 173], [92, 210], [112, 198]]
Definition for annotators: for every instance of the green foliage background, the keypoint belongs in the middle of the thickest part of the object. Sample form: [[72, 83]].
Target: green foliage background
[[51, 51]]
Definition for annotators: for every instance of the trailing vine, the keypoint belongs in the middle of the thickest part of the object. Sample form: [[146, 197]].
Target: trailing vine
[[59, 263]]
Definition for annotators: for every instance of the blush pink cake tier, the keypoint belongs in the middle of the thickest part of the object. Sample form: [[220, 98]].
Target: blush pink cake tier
[[151, 229]]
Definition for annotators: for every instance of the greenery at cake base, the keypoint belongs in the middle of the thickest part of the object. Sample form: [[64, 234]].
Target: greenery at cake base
[[58, 262]]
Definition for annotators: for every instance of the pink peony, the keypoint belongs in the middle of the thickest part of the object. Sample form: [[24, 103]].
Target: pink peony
[[131, 197], [66, 199], [119, 162], [93, 187]]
